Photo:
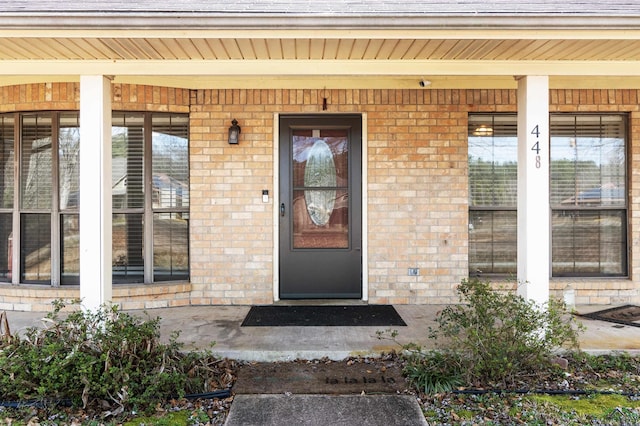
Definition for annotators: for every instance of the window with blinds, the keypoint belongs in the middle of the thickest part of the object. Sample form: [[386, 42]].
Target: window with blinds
[[36, 180], [493, 146], [588, 195], [127, 167], [69, 196], [150, 194], [170, 199], [36, 163], [7, 188]]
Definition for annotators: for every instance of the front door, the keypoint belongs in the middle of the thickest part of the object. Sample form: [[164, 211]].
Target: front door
[[320, 207]]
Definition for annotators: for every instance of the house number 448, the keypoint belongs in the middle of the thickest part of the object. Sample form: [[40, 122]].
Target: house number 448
[[536, 146]]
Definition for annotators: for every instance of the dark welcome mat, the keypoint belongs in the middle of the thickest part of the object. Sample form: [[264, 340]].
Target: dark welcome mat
[[341, 316], [627, 315]]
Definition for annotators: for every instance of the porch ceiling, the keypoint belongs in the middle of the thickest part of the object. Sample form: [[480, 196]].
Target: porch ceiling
[[322, 52]]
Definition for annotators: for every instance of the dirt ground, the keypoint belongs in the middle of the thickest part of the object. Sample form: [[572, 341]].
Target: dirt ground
[[352, 376]]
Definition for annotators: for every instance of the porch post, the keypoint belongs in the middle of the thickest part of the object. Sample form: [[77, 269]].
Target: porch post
[[534, 248], [95, 191]]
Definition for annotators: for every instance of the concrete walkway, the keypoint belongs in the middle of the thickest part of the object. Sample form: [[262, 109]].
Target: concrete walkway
[[203, 326], [325, 410]]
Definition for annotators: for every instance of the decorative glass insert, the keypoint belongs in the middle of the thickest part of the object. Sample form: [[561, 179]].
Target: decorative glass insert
[[320, 189], [320, 172]]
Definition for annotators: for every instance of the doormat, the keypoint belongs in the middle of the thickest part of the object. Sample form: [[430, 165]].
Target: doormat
[[319, 377], [323, 316], [627, 315]]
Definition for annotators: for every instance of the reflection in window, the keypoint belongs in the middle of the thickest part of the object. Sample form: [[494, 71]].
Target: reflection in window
[[170, 150], [170, 199], [6, 195], [6, 246], [493, 146], [49, 194], [36, 162], [69, 162], [127, 251], [70, 249], [320, 164], [6, 162], [127, 161], [35, 252], [170, 246], [588, 195]]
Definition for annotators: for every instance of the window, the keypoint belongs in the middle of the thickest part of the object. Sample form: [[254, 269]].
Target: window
[[587, 194], [492, 194], [150, 189], [7, 190], [36, 180], [150, 222]]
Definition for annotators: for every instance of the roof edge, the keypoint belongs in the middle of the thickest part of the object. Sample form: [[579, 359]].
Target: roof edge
[[244, 21]]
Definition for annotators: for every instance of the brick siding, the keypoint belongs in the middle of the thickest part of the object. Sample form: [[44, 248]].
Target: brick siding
[[417, 210]]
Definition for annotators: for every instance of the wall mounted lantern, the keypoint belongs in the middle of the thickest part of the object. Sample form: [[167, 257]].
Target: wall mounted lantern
[[234, 132]]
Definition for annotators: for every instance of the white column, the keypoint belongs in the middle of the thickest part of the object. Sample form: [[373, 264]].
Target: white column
[[95, 191], [534, 248]]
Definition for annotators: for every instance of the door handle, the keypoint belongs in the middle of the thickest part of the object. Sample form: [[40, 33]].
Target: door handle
[[282, 209]]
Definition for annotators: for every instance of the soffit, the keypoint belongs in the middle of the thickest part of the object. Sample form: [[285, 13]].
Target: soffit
[[380, 49], [317, 47]]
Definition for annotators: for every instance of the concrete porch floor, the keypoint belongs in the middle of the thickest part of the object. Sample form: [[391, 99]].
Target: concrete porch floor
[[200, 326]]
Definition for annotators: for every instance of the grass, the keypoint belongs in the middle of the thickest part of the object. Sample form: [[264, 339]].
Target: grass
[[490, 409]]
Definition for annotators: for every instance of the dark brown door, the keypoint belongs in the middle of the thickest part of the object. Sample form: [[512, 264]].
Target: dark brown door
[[321, 207]]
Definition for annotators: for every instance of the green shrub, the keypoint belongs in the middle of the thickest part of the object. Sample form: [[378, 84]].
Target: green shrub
[[433, 371], [489, 339], [499, 335], [106, 357]]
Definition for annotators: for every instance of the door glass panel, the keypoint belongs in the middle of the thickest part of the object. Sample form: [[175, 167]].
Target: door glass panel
[[320, 189]]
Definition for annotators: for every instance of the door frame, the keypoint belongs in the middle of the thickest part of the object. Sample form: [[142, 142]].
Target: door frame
[[275, 272]]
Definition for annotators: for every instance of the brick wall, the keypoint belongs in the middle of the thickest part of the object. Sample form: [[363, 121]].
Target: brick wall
[[417, 188]]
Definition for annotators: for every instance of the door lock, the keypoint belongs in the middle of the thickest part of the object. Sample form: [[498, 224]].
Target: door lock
[[282, 209]]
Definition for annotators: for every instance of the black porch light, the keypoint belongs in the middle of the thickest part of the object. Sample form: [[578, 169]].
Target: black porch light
[[234, 132]]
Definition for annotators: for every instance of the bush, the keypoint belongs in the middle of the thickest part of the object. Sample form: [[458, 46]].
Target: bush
[[107, 358], [500, 334], [489, 339]]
